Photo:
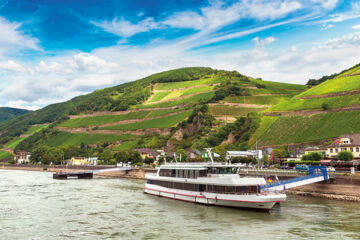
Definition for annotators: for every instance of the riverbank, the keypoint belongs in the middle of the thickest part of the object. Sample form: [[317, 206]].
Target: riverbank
[[136, 173]]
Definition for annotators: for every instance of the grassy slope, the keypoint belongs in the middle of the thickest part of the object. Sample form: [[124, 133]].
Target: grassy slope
[[164, 122], [316, 103], [190, 100], [340, 84], [127, 145], [223, 110], [65, 138], [4, 155], [15, 142], [299, 129], [174, 85], [259, 100]]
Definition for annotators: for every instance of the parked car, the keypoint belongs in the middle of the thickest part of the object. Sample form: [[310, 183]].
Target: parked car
[[330, 169], [302, 168]]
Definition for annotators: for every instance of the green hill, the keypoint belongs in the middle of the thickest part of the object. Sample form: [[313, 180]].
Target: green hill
[[322, 112], [7, 113], [178, 109]]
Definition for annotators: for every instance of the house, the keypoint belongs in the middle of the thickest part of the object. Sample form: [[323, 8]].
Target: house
[[22, 157], [346, 142], [77, 161], [194, 154], [147, 153]]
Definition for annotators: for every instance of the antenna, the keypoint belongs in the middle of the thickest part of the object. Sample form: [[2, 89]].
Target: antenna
[[208, 150]]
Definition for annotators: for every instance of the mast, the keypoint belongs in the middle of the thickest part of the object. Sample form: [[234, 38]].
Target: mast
[[208, 150]]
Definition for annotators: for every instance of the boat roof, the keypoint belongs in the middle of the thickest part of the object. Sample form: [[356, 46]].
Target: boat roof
[[198, 166]]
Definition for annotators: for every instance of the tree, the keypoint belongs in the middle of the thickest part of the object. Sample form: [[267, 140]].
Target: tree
[[183, 155], [38, 153], [312, 156], [345, 156], [106, 155]]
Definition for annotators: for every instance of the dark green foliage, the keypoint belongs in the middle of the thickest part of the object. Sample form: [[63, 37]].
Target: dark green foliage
[[314, 82], [242, 129], [313, 156], [229, 90], [325, 106], [7, 113], [181, 74], [258, 85], [243, 160], [128, 156], [345, 156]]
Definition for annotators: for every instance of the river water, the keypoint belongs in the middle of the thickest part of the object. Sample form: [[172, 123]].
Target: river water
[[34, 206]]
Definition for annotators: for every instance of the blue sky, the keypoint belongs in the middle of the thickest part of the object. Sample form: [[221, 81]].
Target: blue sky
[[51, 51]]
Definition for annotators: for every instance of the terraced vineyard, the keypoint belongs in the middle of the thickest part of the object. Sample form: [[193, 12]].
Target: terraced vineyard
[[323, 112]]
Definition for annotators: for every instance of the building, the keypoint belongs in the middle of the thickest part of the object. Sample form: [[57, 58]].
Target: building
[[147, 153], [22, 157], [81, 161], [194, 154], [346, 142], [77, 161], [249, 153], [316, 149]]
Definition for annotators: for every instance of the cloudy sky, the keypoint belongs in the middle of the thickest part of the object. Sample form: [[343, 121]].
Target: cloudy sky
[[51, 51]]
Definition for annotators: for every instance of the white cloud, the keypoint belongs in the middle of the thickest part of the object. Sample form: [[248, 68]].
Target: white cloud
[[11, 37], [356, 27], [260, 43], [125, 28], [329, 4], [327, 26], [12, 66], [343, 16]]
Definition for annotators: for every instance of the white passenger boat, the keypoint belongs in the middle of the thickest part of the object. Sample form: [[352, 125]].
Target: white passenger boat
[[211, 184]]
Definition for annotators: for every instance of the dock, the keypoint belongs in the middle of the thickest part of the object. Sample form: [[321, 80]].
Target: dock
[[78, 175], [87, 175]]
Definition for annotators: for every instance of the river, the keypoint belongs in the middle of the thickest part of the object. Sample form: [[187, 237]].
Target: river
[[34, 206]]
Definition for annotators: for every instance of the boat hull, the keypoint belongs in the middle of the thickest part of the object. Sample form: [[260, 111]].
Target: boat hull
[[255, 201]]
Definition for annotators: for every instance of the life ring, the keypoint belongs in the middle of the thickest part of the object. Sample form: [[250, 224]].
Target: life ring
[[209, 175]]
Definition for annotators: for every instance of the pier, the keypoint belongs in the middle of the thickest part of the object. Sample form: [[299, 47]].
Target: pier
[[87, 175], [78, 175]]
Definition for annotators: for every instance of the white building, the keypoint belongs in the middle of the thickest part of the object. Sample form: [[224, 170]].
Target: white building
[[249, 153]]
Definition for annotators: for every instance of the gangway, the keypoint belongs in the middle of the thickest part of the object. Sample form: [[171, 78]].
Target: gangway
[[316, 174]]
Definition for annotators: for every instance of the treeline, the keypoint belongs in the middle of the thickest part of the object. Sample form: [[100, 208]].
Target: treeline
[[7, 113], [314, 82], [52, 155]]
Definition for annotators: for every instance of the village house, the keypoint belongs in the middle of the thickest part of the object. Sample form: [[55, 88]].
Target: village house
[[346, 142], [147, 153], [22, 157], [81, 161]]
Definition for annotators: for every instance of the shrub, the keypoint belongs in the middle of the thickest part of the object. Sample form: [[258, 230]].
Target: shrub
[[313, 156], [345, 156], [325, 106]]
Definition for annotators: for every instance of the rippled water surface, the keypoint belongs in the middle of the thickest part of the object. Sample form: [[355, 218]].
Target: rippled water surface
[[34, 206]]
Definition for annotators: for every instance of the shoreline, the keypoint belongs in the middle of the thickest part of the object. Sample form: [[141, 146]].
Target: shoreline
[[342, 189]]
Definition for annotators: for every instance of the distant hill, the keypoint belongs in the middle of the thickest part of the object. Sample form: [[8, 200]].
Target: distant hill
[[185, 108], [320, 113], [7, 113]]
